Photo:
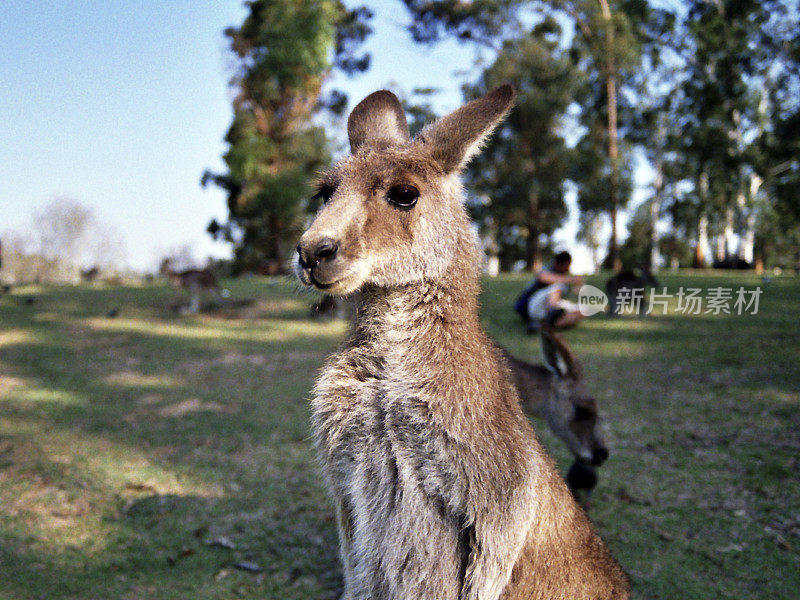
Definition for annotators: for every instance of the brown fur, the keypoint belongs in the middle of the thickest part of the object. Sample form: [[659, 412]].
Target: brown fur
[[440, 486], [190, 279]]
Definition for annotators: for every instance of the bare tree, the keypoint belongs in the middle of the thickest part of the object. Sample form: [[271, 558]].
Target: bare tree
[[60, 229], [64, 236]]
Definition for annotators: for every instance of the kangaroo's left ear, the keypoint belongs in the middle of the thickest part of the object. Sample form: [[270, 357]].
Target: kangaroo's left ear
[[455, 138], [552, 357]]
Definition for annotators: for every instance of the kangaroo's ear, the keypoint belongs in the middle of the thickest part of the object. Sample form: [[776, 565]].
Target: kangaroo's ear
[[457, 137], [379, 119], [572, 366], [552, 357]]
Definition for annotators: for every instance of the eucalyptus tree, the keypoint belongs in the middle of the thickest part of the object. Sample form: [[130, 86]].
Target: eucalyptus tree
[[727, 57], [778, 148], [522, 173], [607, 38], [283, 53]]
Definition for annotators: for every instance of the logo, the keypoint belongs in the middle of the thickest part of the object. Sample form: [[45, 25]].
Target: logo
[[591, 300]]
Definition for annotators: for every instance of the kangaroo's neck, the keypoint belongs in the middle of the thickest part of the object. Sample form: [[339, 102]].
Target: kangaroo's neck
[[441, 311]]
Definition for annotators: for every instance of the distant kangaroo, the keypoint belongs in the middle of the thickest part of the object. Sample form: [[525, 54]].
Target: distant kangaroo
[[557, 393], [626, 291], [441, 489], [195, 281]]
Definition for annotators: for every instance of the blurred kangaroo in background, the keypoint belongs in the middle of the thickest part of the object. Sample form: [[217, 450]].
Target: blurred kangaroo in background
[[195, 281], [557, 392], [627, 291], [441, 488]]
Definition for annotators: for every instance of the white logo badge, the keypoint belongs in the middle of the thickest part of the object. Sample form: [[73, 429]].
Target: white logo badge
[[591, 300]]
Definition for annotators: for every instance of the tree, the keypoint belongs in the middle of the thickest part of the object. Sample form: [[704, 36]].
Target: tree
[[522, 172], [60, 230], [612, 37], [726, 54], [589, 231], [778, 145], [608, 37], [284, 51], [64, 235], [418, 108]]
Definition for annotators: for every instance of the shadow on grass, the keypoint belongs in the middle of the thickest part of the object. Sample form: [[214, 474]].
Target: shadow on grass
[[140, 416]]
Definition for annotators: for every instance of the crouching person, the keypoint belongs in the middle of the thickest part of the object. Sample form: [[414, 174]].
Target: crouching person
[[544, 298]]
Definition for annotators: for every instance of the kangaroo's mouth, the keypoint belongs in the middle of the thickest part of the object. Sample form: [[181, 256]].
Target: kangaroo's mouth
[[318, 284], [341, 284], [338, 280], [310, 276]]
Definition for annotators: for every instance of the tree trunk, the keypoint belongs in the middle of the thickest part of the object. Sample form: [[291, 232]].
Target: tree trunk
[[654, 258], [725, 239], [655, 209], [276, 252], [613, 142], [748, 236], [534, 250], [702, 223], [719, 252], [748, 239], [613, 249], [702, 243]]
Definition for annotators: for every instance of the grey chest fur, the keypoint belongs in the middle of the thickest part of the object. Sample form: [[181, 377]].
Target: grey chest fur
[[389, 469]]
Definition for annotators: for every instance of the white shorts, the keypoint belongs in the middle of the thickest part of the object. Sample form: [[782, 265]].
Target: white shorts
[[538, 305]]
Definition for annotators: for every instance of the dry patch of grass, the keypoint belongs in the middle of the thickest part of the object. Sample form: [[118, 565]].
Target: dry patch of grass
[[133, 379]]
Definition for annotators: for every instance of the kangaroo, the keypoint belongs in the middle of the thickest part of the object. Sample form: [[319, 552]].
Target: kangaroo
[[195, 281], [627, 290], [556, 392], [441, 489]]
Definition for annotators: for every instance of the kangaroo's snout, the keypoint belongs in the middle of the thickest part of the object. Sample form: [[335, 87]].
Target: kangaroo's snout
[[311, 255], [318, 262]]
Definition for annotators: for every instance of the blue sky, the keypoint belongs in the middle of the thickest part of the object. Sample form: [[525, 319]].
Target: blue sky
[[122, 105]]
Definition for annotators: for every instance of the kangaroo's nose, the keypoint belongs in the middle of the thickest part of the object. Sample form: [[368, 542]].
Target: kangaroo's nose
[[325, 249], [600, 456]]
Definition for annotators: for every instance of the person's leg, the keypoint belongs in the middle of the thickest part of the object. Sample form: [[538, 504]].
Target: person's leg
[[568, 319]]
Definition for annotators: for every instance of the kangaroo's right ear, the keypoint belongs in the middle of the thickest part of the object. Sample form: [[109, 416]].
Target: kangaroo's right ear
[[379, 119], [457, 137]]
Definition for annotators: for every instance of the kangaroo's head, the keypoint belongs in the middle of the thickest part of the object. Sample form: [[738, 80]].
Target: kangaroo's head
[[393, 209], [573, 411]]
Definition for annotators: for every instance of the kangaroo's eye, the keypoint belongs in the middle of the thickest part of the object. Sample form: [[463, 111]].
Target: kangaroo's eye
[[324, 192], [403, 196]]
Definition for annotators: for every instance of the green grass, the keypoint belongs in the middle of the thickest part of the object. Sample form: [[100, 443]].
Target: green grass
[[127, 444]]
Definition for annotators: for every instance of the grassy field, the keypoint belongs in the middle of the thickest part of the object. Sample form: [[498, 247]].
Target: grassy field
[[145, 456]]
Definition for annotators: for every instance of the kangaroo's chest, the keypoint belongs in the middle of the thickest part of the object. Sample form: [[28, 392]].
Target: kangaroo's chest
[[378, 437], [386, 463], [360, 424]]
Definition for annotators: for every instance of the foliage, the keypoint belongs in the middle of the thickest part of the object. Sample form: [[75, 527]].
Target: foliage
[[728, 119], [482, 21], [606, 41], [284, 52], [636, 249], [520, 175]]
